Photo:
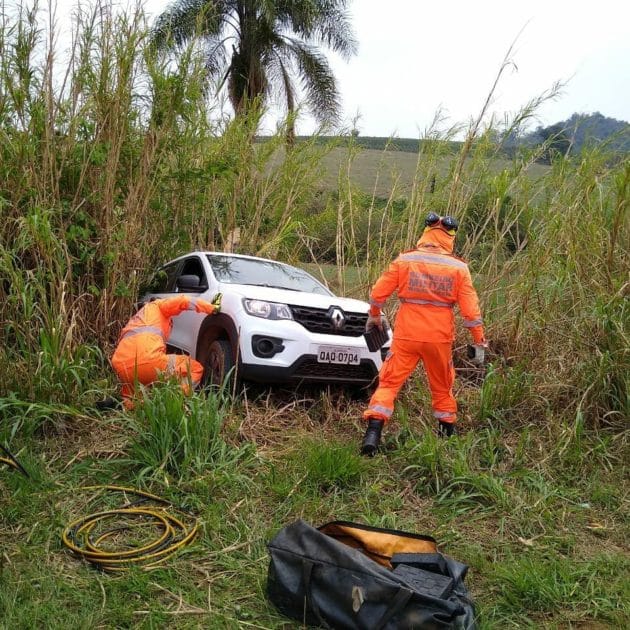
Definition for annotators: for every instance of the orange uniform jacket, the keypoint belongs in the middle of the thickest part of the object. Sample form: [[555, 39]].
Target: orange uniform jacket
[[153, 322], [429, 280]]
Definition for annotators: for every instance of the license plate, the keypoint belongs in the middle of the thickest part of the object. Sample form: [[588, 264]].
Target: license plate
[[334, 354]]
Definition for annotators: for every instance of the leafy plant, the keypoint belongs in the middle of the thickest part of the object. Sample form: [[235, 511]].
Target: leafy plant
[[179, 436], [328, 466]]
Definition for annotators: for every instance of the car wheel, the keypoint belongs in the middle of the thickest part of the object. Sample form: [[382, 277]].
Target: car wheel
[[220, 363]]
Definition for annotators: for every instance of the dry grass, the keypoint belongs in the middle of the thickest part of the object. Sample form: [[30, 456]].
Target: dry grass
[[274, 420]]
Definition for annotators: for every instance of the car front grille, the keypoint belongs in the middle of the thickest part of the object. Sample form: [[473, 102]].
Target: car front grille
[[309, 368], [320, 320]]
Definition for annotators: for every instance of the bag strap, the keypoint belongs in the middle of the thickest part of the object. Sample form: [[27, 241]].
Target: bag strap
[[307, 570], [398, 603]]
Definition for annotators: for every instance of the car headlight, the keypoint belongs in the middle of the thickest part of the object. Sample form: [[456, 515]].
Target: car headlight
[[267, 310]]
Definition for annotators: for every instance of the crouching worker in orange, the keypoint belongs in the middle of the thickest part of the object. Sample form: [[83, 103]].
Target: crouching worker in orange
[[429, 281], [140, 356]]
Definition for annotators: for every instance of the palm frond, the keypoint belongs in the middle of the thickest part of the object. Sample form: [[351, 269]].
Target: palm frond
[[187, 19], [215, 54], [318, 81], [335, 31], [280, 69], [320, 22]]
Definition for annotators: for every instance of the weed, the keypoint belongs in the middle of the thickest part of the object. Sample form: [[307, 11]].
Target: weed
[[544, 585], [329, 465], [179, 435]]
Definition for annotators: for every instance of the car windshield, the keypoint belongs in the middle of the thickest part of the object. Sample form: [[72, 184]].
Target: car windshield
[[263, 273]]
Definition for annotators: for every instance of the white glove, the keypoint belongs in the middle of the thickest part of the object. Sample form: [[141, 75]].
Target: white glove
[[477, 353], [374, 321]]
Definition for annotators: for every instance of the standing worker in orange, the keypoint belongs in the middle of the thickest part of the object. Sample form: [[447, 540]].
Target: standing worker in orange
[[140, 356], [429, 281]]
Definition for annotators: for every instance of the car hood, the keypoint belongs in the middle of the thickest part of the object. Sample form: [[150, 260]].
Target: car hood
[[301, 298]]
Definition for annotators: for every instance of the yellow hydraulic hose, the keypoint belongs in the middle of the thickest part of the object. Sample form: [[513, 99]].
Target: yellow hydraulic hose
[[80, 536]]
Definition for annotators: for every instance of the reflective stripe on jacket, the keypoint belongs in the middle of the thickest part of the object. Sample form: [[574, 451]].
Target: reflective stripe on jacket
[[429, 281], [145, 334]]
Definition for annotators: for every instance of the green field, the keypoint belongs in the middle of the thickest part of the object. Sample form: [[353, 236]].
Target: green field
[[392, 173], [538, 512]]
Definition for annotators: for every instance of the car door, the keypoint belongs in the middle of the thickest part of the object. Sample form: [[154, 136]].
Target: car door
[[161, 284], [186, 325]]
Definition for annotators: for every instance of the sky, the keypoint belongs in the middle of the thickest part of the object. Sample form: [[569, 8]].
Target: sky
[[418, 58]]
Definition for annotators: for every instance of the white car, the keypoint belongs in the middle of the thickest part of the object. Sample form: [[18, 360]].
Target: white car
[[277, 323]]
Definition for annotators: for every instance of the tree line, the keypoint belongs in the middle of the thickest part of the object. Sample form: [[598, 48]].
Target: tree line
[[568, 137]]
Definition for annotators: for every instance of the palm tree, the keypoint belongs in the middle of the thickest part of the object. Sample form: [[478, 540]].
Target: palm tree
[[262, 49]]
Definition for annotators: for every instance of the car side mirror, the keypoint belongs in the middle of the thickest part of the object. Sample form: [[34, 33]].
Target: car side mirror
[[190, 282]]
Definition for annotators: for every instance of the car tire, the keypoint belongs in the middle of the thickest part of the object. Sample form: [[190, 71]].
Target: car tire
[[220, 365]]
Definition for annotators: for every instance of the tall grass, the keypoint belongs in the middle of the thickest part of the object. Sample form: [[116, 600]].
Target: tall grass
[[114, 158], [178, 436], [112, 161]]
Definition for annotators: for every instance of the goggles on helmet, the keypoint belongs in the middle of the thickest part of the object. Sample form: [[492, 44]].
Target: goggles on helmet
[[448, 223]]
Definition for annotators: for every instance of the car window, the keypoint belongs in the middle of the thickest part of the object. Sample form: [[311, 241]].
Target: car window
[[193, 266], [163, 280], [264, 273]]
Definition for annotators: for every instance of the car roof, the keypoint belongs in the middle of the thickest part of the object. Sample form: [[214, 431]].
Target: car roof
[[246, 256]]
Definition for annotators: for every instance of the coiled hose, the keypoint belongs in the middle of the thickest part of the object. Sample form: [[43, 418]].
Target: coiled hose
[[86, 535], [11, 461]]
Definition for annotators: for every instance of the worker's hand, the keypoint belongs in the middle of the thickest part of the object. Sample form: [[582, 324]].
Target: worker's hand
[[203, 306], [216, 300], [477, 353], [374, 321]]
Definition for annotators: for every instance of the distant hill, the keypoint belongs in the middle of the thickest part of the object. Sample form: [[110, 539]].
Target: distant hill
[[572, 135], [580, 131]]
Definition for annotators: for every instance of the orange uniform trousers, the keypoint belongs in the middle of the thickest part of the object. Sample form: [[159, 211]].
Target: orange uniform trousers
[[133, 364], [402, 360]]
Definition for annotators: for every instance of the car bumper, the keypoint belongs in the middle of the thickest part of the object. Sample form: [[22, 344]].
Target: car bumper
[[307, 369], [295, 355]]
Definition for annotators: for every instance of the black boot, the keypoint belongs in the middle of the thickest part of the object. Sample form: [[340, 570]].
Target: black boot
[[446, 429], [372, 437]]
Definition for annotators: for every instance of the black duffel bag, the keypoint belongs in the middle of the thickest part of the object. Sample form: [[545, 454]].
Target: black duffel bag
[[347, 575]]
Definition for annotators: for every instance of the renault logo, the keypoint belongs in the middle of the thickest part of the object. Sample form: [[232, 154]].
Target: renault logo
[[337, 318]]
